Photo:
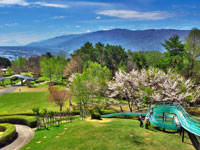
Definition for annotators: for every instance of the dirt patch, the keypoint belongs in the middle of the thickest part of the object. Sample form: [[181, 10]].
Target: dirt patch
[[57, 137], [26, 89], [62, 133], [132, 135], [148, 139], [38, 142], [100, 121]]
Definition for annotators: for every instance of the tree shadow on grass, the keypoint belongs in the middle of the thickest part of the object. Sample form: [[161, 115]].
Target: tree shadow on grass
[[163, 130]]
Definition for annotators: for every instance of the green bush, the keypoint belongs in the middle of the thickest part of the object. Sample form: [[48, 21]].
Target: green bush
[[39, 81], [9, 132], [193, 111], [96, 115], [16, 114], [75, 112], [20, 119], [105, 112]]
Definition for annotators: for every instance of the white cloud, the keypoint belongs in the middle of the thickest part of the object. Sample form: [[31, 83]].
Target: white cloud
[[88, 31], [131, 14], [98, 17], [85, 3], [25, 3], [77, 26], [106, 28], [9, 24], [58, 17], [14, 2], [51, 5]]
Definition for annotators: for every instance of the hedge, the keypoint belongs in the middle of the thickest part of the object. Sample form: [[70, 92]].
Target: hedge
[[96, 115], [105, 112], [16, 114], [19, 119], [9, 132]]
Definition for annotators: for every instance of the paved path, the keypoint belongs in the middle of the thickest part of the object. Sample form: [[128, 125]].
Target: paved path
[[25, 134], [10, 89]]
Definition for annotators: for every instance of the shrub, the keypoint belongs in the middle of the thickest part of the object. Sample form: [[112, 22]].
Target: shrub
[[39, 81], [16, 114], [19, 119], [9, 132], [75, 112], [105, 112], [96, 115], [193, 111]]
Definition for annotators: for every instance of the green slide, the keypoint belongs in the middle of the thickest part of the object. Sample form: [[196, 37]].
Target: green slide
[[170, 117], [185, 120]]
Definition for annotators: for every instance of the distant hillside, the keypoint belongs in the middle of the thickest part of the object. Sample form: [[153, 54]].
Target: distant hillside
[[138, 40], [13, 52], [142, 40]]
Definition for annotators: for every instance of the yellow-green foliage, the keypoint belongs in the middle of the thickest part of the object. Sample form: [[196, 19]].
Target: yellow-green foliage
[[9, 132], [19, 119]]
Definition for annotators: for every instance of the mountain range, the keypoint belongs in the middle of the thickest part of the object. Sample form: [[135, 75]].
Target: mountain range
[[135, 40]]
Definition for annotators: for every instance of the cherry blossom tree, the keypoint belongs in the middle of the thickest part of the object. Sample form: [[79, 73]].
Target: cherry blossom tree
[[151, 85]]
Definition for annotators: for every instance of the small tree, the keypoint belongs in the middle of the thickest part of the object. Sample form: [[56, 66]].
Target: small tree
[[60, 64], [59, 97], [80, 92], [192, 49], [19, 64], [73, 66], [48, 67]]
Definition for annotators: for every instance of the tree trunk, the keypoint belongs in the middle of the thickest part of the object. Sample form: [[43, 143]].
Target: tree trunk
[[192, 66], [60, 108], [70, 104], [121, 108], [129, 105]]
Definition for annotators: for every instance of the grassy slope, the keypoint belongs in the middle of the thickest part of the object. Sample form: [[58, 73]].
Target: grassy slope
[[24, 102], [117, 134]]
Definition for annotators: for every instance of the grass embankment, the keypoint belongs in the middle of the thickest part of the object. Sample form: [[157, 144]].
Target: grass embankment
[[16, 103], [109, 134]]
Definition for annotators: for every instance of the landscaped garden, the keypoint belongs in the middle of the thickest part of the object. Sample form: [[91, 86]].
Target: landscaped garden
[[69, 98], [107, 134]]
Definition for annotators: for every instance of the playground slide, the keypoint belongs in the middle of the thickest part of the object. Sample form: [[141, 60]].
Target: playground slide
[[171, 117], [187, 121], [190, 123]]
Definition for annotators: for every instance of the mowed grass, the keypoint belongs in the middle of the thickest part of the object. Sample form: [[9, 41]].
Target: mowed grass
[[12, 103], [112, 134]]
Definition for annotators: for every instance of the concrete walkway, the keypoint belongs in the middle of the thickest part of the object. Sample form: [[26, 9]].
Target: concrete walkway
[[25, 134], [10, 89]]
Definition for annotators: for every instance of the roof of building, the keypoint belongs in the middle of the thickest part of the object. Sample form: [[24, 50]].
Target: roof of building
[[18, 76]]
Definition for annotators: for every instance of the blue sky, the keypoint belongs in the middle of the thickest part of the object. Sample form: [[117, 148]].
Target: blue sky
[[25, 21]]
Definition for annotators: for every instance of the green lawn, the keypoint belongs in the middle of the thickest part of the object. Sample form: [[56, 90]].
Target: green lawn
[[116, 134], [12, 103]]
